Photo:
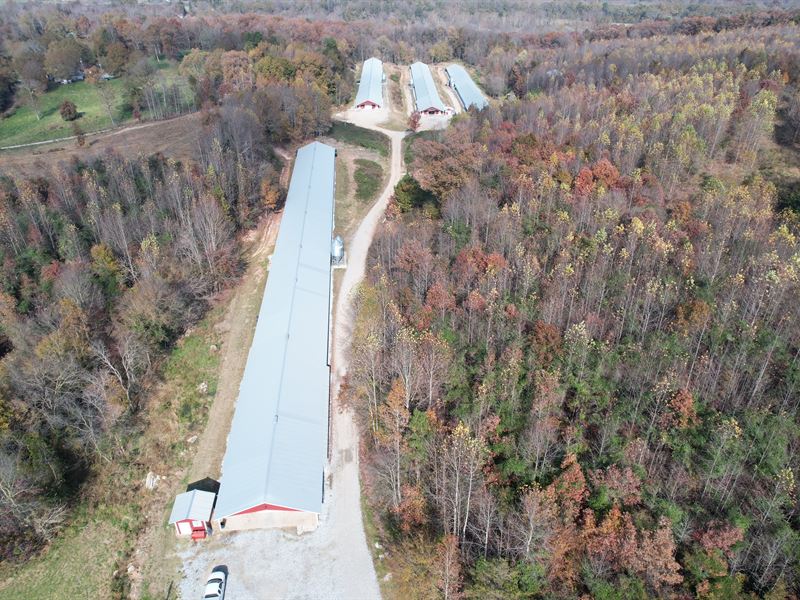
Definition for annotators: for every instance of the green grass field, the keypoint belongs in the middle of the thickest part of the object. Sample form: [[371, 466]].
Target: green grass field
[[368, 176], [358, 136], [79, 564], [22, 126]]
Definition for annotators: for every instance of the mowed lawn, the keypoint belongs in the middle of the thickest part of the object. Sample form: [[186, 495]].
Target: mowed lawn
[[368, 176], [22, 127], [358, 136]]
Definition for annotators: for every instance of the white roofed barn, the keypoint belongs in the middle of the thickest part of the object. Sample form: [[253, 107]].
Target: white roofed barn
[[426, 96], [274, 465], [370, 86], [468, 93]]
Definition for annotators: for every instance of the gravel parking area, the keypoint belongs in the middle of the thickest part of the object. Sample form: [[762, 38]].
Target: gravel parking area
[[331, 562]]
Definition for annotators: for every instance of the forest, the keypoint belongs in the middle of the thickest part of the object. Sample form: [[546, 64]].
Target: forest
[[576, 359], [106, 263], [578, 352]]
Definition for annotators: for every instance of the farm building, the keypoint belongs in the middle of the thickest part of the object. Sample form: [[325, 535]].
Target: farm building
[[274, 464], [191, 513], [426, 97], [468, 93], [370, 87]]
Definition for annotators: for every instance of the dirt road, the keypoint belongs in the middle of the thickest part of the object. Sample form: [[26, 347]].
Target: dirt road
[[333, 561], [238, 328], [176, 138], [359, 246]]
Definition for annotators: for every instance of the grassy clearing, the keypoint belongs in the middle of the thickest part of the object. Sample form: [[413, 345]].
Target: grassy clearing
[[79, 564], [343, 214], [373, 538], [192, 371], [358, 136], [22, 126], [368, 176], [99, 540]]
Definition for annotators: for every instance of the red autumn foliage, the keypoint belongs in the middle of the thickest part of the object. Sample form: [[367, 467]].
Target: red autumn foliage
[[439, 298], [584, 182], [622, 484], [546, 342], [495, 263], [469, 264], [681, 412], [413, 256], [606, 173], [475, 301], [412, 509], [721, 537], [570, 487]]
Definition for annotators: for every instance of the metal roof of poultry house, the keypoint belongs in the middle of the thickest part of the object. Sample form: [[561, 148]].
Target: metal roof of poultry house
[[468, 92], [370, 87], [425, 94], [277, 445]]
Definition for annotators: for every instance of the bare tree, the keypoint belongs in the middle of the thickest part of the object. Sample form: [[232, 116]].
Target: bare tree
[[128, 367], [108, 96]]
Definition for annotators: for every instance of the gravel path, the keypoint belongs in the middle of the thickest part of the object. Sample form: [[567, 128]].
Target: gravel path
[[333, 561]]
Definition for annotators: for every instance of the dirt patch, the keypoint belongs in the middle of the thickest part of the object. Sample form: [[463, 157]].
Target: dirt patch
[[395, 98], [349, 209], [405, 88], [176, 138]]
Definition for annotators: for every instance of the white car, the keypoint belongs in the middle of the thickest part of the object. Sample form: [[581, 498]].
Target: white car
[[215, 586]]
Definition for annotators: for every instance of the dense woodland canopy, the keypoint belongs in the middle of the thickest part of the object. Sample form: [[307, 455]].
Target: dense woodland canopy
[[106, 263], [578, 354], [576, 361]]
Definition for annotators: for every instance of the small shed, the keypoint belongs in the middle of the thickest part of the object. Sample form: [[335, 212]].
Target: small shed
[[191, 513]]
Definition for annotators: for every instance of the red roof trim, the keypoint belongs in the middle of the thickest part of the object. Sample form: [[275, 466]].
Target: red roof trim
[[260, 507]]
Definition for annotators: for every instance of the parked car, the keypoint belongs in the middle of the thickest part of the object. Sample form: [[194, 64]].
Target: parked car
[[215, 586]]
